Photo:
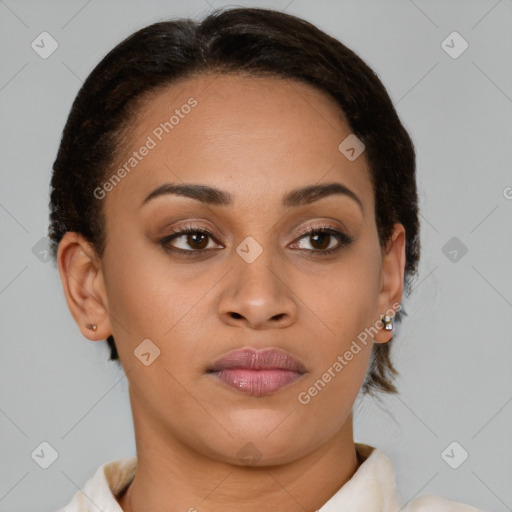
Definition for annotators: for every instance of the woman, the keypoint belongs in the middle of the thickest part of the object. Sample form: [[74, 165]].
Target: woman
[[234, 209]]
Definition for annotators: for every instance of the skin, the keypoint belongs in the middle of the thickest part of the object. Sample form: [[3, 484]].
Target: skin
[[256, 138]]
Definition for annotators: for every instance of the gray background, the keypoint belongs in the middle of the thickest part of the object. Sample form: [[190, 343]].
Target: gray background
[[454, 351]]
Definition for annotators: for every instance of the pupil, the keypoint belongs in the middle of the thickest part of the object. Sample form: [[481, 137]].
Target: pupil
[[324, 237], [193, 239]]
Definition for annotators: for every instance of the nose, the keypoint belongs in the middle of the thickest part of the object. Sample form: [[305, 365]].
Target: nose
[[257, 296]]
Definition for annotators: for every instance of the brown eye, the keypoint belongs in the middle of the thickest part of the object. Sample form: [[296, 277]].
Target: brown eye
[[321, 240], [189, 240], [324, 240], [197, 240]]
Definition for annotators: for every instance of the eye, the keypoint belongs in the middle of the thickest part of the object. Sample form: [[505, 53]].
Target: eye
[[324, 240], [189, 240], [192, 240]]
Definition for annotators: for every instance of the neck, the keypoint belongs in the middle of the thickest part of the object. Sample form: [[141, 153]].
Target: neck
[[170, 476]]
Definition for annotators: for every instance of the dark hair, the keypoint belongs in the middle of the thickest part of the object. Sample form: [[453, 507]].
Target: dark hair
[[257, 42]]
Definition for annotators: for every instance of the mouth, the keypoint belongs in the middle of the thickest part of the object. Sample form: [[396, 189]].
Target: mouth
[[257, 372]]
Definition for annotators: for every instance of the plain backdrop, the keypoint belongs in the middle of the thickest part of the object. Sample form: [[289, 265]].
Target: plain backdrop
[[453, 351]]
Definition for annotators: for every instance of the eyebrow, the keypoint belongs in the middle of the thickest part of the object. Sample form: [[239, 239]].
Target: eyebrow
[[210, 195]]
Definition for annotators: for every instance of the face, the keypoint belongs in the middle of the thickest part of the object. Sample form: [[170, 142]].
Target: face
[[226, 331]]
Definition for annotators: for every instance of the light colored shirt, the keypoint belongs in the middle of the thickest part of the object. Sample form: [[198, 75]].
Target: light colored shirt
[[371, 489]]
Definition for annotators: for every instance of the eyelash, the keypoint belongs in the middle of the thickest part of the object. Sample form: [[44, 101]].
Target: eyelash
[[343, 239]]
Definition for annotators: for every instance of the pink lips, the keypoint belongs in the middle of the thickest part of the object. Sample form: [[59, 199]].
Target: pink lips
[[257, 372]]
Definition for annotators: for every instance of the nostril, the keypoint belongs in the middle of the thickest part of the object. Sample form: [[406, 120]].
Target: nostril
[[236, 315]]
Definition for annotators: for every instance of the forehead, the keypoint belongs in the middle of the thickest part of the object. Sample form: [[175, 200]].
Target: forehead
[[243, 133]]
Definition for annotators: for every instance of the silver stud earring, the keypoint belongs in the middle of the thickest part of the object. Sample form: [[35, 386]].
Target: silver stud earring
[[388, 323], [92, 327]]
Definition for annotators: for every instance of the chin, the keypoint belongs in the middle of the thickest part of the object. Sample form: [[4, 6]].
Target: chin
[[264, 437]]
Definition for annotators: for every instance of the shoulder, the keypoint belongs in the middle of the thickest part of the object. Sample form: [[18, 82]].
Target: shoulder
[[431, 503], [376, 474], [101, 489]]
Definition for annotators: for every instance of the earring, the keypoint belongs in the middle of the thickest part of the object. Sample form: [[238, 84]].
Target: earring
[[388, 323], [92, 327]]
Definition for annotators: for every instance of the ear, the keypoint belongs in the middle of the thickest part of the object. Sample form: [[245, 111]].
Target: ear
[[392, 279], [84, 287]]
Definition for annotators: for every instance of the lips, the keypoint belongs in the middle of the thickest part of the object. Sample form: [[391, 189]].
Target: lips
[[257, 372]]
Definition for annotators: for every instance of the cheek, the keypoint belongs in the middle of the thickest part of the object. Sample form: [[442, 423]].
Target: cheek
[[142, 300], [344, 297], [348, 308], [150, 298], [345, 304]]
